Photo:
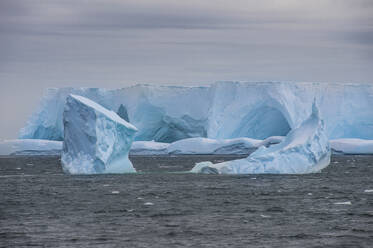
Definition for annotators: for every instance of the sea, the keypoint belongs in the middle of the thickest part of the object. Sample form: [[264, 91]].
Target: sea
[[165, 206]]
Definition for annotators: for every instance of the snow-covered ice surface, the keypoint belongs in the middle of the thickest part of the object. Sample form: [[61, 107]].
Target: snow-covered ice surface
[[224, 110], [30, 147], [352, 146], [304, 150], [96, 140]]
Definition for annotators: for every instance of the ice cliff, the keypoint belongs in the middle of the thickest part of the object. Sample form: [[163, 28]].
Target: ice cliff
[[96, 140], [304, 150], [224, 110]]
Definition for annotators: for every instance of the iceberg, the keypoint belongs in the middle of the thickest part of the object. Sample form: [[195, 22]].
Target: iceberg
[[96, 140], [30, 147], [304, 150], [223, 110], [351, 146], [149, 148]]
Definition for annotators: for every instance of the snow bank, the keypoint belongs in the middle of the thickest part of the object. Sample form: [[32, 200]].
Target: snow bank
[[30, 147], [304, 150], [96, 140], [352, 146]]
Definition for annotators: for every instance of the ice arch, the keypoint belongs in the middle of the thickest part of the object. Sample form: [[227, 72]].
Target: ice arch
[[154, 124], [262, 122]]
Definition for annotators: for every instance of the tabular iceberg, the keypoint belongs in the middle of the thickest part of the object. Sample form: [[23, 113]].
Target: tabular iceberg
[[224, 110], [96, 140], [304, 150]]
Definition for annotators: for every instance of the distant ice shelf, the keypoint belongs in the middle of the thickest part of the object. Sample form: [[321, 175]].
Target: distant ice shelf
[[224, 110]]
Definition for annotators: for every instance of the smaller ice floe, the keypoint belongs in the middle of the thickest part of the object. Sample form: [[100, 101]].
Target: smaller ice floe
[[343, 203], [212, 146], [352, 146], [30, 147], [115, 192], [148, 204], [224, 146], [368, 191], [265, 216], [304, 150], [148, 148], [96, 140]]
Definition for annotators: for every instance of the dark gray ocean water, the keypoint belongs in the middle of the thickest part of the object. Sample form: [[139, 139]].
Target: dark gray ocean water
[[42, 207]]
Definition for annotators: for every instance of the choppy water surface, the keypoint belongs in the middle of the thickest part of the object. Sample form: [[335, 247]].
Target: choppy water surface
[[40, 206]]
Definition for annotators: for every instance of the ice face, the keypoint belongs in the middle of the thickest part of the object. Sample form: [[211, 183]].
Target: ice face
[[224, 110], [96, 140], [304, 150]]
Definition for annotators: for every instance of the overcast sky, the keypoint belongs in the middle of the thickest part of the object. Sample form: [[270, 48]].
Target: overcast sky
[[115, 43]]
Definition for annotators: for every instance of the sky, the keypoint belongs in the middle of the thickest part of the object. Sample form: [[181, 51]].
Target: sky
[[116, 43]]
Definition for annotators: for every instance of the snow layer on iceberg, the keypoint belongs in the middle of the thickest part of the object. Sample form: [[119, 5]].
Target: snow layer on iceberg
[[304, 150], [224, 110], [96, 140], [30, 147], [352, 146]]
